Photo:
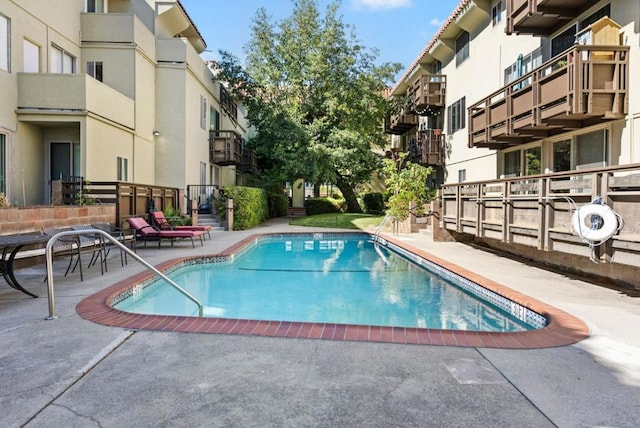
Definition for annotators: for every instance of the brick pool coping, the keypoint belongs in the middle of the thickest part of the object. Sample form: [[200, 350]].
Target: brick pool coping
[[562, 329]]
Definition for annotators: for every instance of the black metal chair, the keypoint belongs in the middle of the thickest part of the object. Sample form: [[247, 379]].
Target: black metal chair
[[124, 236], [66, 246]]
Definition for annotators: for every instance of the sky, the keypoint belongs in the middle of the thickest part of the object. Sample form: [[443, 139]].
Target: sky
[[399, 29]]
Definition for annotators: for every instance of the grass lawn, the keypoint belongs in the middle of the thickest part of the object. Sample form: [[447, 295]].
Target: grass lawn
[[341, 220]]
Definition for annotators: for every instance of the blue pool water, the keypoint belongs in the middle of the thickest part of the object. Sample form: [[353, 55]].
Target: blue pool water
[[339, 280]]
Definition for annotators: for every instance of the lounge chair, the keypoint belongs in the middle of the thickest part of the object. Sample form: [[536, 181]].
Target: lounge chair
[[162, 223], [145, 232]]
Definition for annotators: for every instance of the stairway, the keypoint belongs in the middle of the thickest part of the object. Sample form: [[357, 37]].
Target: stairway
[[209, 220]]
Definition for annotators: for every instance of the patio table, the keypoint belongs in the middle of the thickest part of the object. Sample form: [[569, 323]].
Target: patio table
[[10, 246]]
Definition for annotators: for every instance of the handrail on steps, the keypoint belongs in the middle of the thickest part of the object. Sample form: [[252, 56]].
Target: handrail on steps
[[49, 256]]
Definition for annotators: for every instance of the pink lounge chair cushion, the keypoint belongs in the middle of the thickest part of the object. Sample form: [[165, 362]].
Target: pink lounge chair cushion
[[146, 230], [162, 222]]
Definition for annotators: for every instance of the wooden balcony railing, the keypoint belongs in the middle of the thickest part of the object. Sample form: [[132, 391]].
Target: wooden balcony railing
[[542, 17], [249, 162], [583, 86], [536, 211], [427, 94], [227, 103], [402, 122], [428, 148], [225, 147]]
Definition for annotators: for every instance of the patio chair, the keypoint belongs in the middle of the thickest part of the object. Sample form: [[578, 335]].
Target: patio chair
[[93, 243], [125, 237], [161, 222], [66, 246], [145, 232]]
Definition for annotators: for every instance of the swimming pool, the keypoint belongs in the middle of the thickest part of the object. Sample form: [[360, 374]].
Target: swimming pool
[[561, 328], [331, 278]]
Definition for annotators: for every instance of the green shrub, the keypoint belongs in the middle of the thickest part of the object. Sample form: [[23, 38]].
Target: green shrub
[[373, 203], [250, 206], [324, 206], [278, 205]]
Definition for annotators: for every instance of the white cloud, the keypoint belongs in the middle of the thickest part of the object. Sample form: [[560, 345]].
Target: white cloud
[[381, 4], [435, 22]]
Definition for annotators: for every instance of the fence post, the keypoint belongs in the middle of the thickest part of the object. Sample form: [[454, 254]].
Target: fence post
[[229, 207], [194, 211]]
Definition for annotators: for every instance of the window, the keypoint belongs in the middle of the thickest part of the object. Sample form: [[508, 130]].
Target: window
[[462, 48], [462, 175], [456, 116], [601, 13], [528, 161], [5, 43], [563, 41], [214, 119], [94, 69], [562, 156], [591, 149], [31, 57], [123, 169], [203, 112], [522, 66], [96, 6], [62, 61], [203, 173], [496, 13], [512, 164], [3, 164]]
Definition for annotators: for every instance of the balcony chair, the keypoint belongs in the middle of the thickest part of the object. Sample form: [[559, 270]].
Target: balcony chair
[[145, 232]]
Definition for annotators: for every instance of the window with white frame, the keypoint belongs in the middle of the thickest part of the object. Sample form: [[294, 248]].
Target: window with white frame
[[96, 6], [522, 162], [496, 13], [462, 175], [31, 57], [462, 47], [203, 173], [5, 43], [123, 169], [94, 69], [456, 114], [588, 150], [62, 61], [3, 163], [523, 65], [203, 112]]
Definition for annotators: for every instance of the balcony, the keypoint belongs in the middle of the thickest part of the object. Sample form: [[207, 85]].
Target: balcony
[[542, 17], [72, 94], [227, 103], [427, 94], [402, 122], [427, 148], [249, 162], [225, 147], [583, 86]]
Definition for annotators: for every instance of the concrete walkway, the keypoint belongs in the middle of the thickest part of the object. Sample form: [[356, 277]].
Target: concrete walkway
[[70, 372]]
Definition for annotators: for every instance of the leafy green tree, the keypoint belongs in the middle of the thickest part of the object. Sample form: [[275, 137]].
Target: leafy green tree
[[314, 96], [406, 182]]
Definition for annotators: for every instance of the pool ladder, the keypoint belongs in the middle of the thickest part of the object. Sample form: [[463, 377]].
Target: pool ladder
[[49, 256], [376, 238]]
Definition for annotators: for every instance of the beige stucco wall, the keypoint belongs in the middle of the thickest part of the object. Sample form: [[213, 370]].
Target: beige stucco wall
[[104, 144]]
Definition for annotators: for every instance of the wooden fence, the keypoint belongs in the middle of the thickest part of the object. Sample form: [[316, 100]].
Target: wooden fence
[[130, 199], [537, 211]]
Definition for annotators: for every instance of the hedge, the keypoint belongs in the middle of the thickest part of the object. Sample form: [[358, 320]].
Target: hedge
[[250, 206], [278, 205], [373, 203], [323, 206]]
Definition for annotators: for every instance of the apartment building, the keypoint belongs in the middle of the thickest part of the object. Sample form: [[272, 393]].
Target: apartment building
[[490, 56], [110, 90], [546, 89]]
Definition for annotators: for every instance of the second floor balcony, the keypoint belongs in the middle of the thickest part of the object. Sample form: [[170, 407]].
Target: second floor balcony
[[428, 148], [249, 162], [225, 147], [401, 122], [542, 17], [583, 86], [56, 93], [427, 94]]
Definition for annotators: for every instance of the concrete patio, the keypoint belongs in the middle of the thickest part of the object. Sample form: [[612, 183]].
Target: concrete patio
[[70, 372]]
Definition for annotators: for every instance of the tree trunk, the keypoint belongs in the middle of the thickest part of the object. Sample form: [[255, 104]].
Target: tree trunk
[[349, 196]]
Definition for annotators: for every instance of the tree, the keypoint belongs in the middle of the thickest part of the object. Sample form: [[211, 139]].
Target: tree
[[314, 96], [406, 182]]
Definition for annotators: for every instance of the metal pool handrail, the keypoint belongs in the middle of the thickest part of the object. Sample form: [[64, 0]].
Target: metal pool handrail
[[49, 255]]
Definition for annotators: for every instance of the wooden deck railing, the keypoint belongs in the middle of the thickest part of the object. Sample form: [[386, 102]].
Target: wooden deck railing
[[130, 199], [536, 210]]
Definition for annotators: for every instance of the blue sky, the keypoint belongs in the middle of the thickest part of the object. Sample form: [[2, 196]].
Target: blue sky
[[398, 28]]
